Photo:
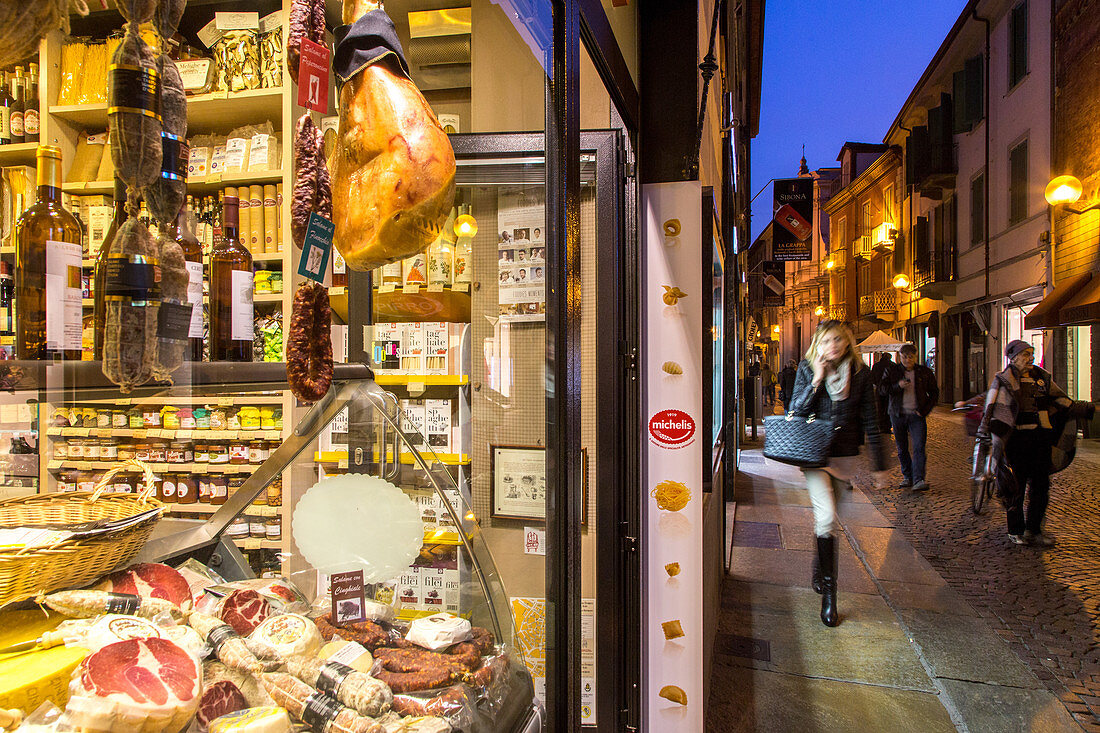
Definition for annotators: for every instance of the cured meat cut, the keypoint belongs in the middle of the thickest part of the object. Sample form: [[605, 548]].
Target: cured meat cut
[[393, 169], [220, 699], [244, 610], [135, 686], [149, 580]]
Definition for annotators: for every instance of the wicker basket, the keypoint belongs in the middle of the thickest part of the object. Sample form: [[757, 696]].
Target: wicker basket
[[26, 573]]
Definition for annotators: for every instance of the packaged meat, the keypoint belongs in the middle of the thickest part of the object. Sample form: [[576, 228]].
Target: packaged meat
[[357, 690], [244, 610], [393, 170], [187, 638], [230, 648], [253, 720], [150, 580], [317, 710], [93, 635], [198, 577], [289, 634], [281, 594], [136, 685], [219, 699], [438, 631], [245, 683], [90, 603]]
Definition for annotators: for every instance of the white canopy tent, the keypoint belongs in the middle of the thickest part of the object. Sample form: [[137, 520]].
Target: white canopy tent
[[880, 341]]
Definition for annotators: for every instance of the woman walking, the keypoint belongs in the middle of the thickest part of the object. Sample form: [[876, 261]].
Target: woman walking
[[1033, 426], [834, 384]]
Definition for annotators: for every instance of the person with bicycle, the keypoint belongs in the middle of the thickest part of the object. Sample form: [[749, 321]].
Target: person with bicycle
[[1032, 424]]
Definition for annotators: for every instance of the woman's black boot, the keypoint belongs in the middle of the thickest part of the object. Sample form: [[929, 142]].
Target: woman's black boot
[[815, 578], [826, 552]]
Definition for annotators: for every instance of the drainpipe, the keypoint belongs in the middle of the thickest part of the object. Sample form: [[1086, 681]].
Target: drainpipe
[[974, 14]]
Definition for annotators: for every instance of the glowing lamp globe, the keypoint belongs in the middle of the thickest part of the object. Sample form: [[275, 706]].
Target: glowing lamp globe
[[901, 282], [465, 226], [829, 264], [1063, 190], [819, 311]]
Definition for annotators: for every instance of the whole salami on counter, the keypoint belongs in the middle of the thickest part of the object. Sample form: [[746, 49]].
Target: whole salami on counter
[[317, 710]]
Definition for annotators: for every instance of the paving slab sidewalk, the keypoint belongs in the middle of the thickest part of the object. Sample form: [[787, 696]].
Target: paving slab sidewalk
[[909, 654]]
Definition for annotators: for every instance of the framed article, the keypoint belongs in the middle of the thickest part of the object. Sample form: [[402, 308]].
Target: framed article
[[518, 482]]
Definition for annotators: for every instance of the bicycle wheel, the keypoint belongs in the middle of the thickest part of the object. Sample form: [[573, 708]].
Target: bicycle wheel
[[981, 491]]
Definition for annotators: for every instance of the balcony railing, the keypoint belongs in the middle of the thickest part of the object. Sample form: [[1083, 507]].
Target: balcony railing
[[935, 272], [839, 259], [881, 305], [838, 312], [883, 237], [866, 305], [861, 247]]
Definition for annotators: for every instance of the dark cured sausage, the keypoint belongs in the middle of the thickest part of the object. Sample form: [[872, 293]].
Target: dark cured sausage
[[309, 346]]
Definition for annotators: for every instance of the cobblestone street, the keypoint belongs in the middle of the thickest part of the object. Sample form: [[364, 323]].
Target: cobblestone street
[[1044, 603]]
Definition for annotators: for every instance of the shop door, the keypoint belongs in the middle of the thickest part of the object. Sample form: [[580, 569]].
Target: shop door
[[501, 178]]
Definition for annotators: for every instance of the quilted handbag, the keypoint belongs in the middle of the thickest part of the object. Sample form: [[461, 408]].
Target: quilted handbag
[[798, 441]]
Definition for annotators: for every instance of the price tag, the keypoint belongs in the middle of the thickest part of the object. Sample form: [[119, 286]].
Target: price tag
[[316, 248], [225, 402], [52, 465], [435, 288], [139, 433], [54, 431], [313, 77], [84, 466], [416, 387], [82, 432], [342, 463], [251, 544], [411, 289], [387, 287], [183, 434], [123, 401], [153, 432], [461, 287], [214, 178], [219, 95]]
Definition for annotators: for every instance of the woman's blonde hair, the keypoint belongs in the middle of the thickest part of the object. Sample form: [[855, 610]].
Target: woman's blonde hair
[[851, 353]]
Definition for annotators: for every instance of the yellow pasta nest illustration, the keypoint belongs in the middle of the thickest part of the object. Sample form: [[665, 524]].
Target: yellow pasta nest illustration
[[672, 228], [672, 294], [671, 367], [672, 496]]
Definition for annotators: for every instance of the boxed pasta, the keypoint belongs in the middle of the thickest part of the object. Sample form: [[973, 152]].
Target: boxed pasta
[[386, 347], [412, 348], [437, 347], [217, 160], [437, 423], [263, 153], [412, 421]]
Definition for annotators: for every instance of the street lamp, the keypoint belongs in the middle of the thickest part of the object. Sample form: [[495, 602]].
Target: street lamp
[[1066, 191], [819, 311], [775, 329], [901, 282]]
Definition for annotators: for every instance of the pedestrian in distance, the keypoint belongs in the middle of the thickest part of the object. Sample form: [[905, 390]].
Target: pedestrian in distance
[[1032, 424], [786, 383], [767, 378], [878, 371], [833, 383], [912, 392]]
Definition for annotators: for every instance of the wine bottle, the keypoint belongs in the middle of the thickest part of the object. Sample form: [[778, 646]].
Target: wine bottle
[[99, 274], [47, 270], [180, 231], [18, 105], [31, 117], [6, 103], [7, 300], [231, 312]]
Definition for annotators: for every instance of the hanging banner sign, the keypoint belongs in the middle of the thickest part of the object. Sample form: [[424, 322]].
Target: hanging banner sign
[[774, 282], [793, 207]]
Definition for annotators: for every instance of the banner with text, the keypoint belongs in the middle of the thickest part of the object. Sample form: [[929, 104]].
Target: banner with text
[[793, 207], [775, 283]]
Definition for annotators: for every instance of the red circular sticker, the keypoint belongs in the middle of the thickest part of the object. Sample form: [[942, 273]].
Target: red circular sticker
[[672, 428]]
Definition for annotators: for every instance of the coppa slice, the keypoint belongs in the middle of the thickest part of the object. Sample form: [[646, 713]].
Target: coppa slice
[[244, 610], [150, 580], [135, 686]]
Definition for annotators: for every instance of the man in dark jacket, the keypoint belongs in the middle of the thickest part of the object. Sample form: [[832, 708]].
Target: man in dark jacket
[[912, 392], [786, 383], [878, 371]]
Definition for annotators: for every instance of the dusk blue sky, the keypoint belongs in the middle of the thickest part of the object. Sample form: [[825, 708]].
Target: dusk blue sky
[[834, 71]]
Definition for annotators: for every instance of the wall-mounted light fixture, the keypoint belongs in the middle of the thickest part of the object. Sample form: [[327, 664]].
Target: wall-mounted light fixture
[[1066, 191], [901, 281], [819, 311]]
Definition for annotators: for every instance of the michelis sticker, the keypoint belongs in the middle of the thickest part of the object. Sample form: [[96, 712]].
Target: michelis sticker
[[672, 429]]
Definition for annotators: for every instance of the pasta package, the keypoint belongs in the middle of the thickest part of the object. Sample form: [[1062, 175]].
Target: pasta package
[[72, 61], [94, 71], [237, 55]]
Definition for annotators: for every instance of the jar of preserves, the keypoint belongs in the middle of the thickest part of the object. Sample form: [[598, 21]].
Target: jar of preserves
[[187, 418], [167, 492], [187, 488], [261, 498], [273, 528], [233, 418], [91, 449], [202, 418], [234, 484], [276, 282], [239, 528], [120, 419], [122, 483], [238, 452], [60, 418], [108, 449], [158, 451], [256, 527], [202, 452], [103, 418], [86, 481], [219, 453], [66, 481], [275, 492], [134, 419], [278, 417], [180, 451], [142, 451], [61, 450], [267, 418], [219, 488], [257, 451], [250, 418], [76, 449], [219, 418], [150, 417], [89, 418], [169, 417]]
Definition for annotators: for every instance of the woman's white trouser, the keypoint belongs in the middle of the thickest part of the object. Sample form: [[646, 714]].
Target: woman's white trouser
[[819, 482]]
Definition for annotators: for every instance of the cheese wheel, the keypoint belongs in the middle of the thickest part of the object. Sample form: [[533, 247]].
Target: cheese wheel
[[350, 653], [29, 679], [252, 720], [289, 634]]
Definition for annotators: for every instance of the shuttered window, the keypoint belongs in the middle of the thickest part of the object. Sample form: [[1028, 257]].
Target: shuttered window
[[1017, 183], [977, 209], [1017, 48]]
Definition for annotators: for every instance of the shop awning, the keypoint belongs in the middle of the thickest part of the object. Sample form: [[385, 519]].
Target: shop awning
[[880, 341], [1047, 312], [1083, 307]]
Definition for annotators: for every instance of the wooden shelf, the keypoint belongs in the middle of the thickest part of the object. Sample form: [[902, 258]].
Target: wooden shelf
[[165, 433], [158, 468], [21, 154], [206, 185], [340, 457], [267, 297], [254, 510], [205, 112], [269, 257], [170, 399]]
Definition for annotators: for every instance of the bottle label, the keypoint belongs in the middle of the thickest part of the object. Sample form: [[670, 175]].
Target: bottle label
[[133, 89], [241, 322], [173, 321], [16, 124], [131, 278], [5, 123], [30, 122], [194, 297], [175, 156], [63, 295]]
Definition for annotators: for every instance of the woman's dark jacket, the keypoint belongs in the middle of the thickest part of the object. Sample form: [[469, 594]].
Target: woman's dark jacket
[[852, 418]]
